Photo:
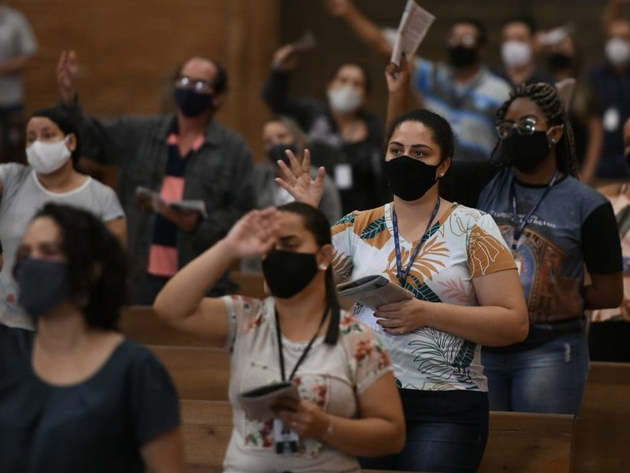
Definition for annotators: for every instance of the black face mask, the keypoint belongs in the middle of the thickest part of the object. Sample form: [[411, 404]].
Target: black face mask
[[191, 102], [461, 56], [409, 178], [277, 152], [524, 152], [559, 61], [287, 272]]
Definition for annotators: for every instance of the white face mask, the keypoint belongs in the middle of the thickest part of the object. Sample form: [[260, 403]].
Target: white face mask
[[516, 53], [617, 51], [45, 157], [344, 100]]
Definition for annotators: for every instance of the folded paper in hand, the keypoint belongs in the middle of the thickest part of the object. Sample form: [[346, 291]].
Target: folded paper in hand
[[413, 27], [257, 403], [373, 291], [198, 206]]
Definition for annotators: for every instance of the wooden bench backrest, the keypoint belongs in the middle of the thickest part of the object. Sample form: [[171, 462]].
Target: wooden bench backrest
[[199, 373], [518, 442], [602, 440], [142, 325]]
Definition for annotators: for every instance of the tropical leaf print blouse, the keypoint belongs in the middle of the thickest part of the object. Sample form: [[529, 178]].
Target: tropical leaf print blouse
[[463, 245]]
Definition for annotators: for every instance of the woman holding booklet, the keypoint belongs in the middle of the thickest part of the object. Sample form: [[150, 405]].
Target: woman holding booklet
[[339, 369], [465, 286]]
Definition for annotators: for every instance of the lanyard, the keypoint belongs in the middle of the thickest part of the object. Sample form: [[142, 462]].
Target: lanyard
[[304, 353], [520, 227], [402, 277]]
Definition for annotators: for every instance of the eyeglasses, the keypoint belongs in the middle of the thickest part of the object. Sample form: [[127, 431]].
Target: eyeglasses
[[198, 85], [525, 126]]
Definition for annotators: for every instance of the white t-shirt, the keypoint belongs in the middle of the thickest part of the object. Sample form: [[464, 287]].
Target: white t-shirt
[[333, 377], [22, 197]]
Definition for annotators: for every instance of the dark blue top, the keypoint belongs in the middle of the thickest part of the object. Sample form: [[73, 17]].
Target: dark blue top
[[96, 426], [610, 100]]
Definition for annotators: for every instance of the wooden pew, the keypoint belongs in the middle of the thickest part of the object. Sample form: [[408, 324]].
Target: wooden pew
[[518, 442], [200, 373], [142, 325], [602, 441]]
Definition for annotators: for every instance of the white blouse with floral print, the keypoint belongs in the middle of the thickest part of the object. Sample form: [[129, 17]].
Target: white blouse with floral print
[[333, 377]]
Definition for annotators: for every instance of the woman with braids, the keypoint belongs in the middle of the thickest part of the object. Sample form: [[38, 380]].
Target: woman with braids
[[299, 334], [556, 226]]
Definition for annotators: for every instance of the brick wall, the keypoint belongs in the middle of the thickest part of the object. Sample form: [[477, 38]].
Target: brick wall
[[129, 50]]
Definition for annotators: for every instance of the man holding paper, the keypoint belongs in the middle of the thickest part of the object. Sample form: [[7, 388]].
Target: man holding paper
[[188, 157], [463, 91]]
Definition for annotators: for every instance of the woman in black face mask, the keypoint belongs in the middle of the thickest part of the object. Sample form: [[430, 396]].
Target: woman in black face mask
[[80, 397], [556, 226], [465, 286], [298, 335]]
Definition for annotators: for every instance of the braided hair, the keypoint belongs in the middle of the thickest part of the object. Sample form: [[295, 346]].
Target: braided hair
[[547, 99]]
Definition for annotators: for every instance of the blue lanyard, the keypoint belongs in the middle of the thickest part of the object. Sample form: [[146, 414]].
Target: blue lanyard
[[519, 228], [402, 277]]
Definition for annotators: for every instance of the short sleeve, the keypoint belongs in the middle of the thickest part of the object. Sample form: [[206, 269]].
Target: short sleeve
[[369, 360], [110, 205], [154, 399], [343, 242], [243, 313], [487, 251]]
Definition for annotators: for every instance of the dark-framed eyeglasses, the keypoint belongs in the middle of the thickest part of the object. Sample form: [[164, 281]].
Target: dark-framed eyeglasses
[[525, 126], [199, 85]]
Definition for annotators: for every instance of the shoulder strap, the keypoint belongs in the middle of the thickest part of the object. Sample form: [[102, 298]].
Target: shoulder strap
[[623, 220]]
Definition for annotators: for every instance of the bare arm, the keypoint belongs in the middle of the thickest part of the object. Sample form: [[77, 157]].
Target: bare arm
[[605, 291], [398, 87], [367, 31], [165, 454], [16, 64], [118, 227], [182, 302], [379, 431], [500, 319]]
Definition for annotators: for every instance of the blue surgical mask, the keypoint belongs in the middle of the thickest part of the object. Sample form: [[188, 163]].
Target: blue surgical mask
[[43, 284]]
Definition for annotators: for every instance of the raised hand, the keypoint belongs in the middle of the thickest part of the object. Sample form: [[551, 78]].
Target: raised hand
[[67, 74], [297, 179], [398, 77], [338, 8], [255, 233], [286, 58]]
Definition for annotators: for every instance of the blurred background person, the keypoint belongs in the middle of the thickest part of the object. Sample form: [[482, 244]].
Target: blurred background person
[[518, 53], [81, 397], [609, 331], [17, 48], [463, 91], [609, 105], [52, 150], [561, 55], [279, 135], [342, 123]]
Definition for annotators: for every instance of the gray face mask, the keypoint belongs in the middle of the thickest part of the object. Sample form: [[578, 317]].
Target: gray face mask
[[44, 285]]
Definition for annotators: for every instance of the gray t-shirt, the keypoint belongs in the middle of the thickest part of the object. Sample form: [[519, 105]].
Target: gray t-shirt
[[16, 40], [22, 197]]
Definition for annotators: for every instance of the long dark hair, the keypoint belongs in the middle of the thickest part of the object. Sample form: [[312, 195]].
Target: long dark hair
[[317, 224]]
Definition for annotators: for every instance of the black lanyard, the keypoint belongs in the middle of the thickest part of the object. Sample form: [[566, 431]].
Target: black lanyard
[[304, 353], [520, 227], [402, 277]]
